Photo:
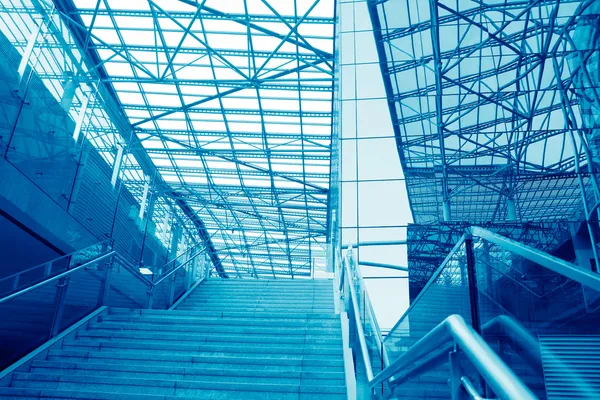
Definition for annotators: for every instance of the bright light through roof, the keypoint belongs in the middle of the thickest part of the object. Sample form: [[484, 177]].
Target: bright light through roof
[[234, 100]]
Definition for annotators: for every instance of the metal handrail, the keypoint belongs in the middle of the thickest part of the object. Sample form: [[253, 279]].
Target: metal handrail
[[372, 317], [454, 329], [145, 280], [359, 327], [546, 260], [48, 262], [200, 244], [56, 277], [437, 273], [135, 272], [165, 276]]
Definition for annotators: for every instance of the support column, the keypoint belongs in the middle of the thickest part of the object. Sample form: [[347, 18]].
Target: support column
[[177, 231], [80, 117], [69, 92], [117, 166], [28, 51], [144, 198], [446, 211], [511, 209]]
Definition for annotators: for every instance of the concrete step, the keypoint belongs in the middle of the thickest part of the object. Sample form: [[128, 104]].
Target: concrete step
[[122, 326], [271, 282], [153, 345], [248, 360], [270, 375], [176, 388], [263, 307], [291, 300], [214, 314], [215, 337], [236, 321]]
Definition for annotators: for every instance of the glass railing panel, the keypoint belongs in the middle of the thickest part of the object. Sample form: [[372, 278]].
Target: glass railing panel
[[181, 278], [51, 268], [83, 293], [43, 149], [446, 294], [26, 322], [161, 294], [127, 288], [520, 302]]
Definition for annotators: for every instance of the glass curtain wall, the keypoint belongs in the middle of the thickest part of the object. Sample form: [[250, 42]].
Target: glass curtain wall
[[373, 206]]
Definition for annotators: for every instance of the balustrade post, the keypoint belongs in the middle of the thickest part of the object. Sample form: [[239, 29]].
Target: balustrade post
[[48, 269], [456, 374], [105, 287], [172, 289], [150, 297], [472, 285], [61, 295]]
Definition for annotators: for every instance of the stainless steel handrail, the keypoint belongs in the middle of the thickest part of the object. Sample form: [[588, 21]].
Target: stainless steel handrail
[[190, 250], [359, 327], [372, 318], [134, 271], [165, 276], [8, 277], [56, 277], [571, 271], [496, 373]]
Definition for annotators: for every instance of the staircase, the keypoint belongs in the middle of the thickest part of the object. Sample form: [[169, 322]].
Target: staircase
[[229, 339]]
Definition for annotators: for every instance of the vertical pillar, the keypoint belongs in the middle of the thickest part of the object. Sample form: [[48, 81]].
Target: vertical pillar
[[80, 117], [446, 211], [117, 166], [511, 209], [69, 92], [473, 292], [79, 173], [144, 198], [151, 206], [177, 231], [28, 51]]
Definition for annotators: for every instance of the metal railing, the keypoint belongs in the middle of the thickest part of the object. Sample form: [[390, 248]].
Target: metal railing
[[40, 272], [555, 264], [48, 307], [368, 341], [180, 274], [454, 335]]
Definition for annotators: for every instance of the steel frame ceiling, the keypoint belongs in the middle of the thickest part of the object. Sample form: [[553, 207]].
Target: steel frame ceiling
[[495, 106], [231, 101]]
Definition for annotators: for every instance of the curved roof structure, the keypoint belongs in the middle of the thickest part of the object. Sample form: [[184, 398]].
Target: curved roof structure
[[230, 102]]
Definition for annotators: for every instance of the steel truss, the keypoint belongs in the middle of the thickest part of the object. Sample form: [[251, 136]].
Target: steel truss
[[488, 101], [495, 107], [227, 105]]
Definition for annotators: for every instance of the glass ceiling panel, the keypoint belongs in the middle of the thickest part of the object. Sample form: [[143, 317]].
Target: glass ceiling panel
[[231, 100], [486, 100]]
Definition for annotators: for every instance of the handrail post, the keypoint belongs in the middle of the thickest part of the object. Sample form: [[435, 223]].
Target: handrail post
[[61, 295], [456, 374], [150, 297], [472, 284], [48, 269], [171, 290], [104, 292]]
